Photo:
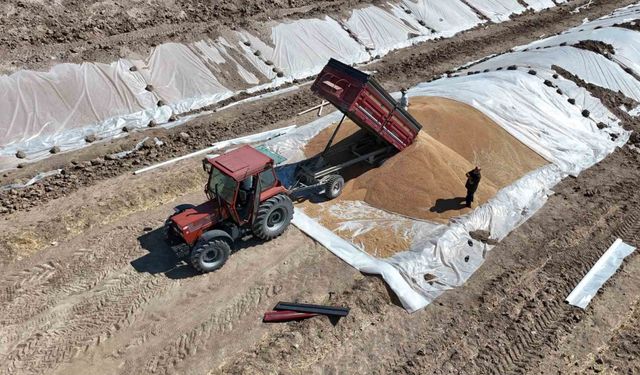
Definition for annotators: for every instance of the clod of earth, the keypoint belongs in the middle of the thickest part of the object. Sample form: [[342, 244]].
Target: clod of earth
[[483, 236]]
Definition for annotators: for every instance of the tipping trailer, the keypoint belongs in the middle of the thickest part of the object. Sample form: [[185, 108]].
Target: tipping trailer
[[388, 127]]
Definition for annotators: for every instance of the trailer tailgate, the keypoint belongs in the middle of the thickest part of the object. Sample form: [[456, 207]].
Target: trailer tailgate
[[366, 103]]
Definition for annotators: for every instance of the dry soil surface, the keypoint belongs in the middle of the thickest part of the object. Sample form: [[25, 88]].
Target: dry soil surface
[[88, 286]]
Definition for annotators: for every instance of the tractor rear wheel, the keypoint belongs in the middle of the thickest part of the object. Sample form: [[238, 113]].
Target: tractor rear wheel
[[273, 217], [210, 255], [333, 186]]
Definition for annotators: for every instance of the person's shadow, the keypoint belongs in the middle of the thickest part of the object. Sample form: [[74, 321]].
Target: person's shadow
[[451, 204]]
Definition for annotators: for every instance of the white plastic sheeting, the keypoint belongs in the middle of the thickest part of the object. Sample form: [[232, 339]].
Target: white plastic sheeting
[[61, 107], [39, 110], [534, 114], [497, 10], [604, 268], [620, 16], [540, 4], [444, 17], [589, 66], [181, 78], [36, 178], [380, 31], [625, 42], [303, 47], [412, 300]]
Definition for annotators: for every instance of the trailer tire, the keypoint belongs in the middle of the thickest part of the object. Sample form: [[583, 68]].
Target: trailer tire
[[209, 255], [333, 186], [273, 217]]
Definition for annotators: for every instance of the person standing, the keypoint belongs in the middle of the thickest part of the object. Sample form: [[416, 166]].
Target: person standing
[[473, 180], [404, 100]]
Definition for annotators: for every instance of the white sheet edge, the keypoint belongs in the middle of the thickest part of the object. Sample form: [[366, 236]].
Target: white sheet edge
[[604, 268], [410, 299]]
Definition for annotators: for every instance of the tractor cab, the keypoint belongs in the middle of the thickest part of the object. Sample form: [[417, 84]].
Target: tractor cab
[[245, 196], [239, 180]]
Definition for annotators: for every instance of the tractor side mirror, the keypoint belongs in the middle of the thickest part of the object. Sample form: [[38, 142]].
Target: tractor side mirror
[[206, 166]]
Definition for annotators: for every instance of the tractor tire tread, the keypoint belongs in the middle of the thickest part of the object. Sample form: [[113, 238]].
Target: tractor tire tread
[[195, 254], [263, 212]]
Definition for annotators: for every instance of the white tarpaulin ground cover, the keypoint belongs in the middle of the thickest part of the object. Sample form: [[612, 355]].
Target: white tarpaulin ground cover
[[624, 41], [519, 103], [604, 268], [303, 47], [620, 16], [540, 4], [445, 18], [181, 78], [380, 31], [497, 10], [589, 66], [39, 110]]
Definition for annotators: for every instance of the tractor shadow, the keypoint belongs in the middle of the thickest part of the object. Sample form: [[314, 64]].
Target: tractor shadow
[[161, 259]]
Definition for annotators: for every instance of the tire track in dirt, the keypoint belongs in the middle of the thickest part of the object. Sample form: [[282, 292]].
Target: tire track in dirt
[[525, 344], [74, 300], [189, 343], [447, 335], [621, 353], [82, 271], [109, 308]]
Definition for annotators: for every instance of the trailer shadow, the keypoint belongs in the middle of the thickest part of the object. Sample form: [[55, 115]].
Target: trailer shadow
[[161, 259]]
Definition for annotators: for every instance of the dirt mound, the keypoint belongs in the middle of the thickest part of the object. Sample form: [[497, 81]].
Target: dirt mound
[[427, 180]]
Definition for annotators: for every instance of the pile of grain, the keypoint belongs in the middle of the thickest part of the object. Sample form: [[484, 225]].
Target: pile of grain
[[426, 180]]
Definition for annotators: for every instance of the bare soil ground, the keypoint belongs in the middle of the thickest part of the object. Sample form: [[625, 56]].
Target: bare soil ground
[[87, 284], [35, 34]]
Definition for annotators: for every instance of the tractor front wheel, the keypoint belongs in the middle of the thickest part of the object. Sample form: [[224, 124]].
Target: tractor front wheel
[[210, 255], [273, 217]]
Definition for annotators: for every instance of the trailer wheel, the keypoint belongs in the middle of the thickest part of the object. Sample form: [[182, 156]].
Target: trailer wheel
[[210, 255], [333, 186], [273, 217]]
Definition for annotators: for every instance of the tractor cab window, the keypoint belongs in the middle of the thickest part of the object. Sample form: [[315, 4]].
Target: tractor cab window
[[226, 186], [267, 179]]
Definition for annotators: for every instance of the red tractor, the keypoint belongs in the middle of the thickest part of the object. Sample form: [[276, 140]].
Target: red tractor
[[245, 196]]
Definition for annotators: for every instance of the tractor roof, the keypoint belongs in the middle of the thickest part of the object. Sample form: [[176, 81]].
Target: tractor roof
[[241, 162]]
